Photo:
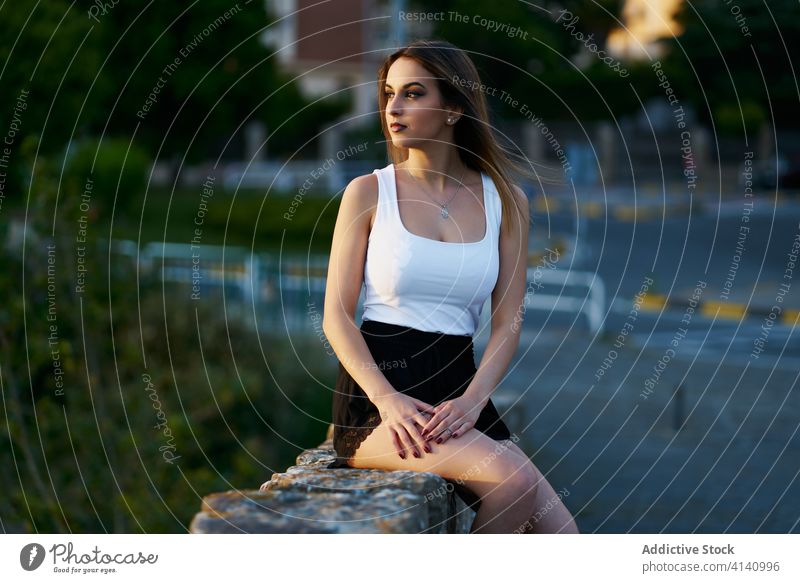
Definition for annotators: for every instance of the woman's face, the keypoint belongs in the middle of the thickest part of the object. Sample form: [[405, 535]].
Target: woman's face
[[413, 100]]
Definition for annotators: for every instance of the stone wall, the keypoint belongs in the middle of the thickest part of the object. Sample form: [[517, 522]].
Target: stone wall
[[310, 498]]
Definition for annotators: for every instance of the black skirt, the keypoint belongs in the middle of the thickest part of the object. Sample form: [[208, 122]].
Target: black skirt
[[429, 366]]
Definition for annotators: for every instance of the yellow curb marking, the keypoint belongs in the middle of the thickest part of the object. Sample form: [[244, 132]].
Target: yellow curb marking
[[726, 310], [653, 302], [790, 317]]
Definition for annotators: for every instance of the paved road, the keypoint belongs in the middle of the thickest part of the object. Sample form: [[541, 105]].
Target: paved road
[[637, 455], [742, 261]]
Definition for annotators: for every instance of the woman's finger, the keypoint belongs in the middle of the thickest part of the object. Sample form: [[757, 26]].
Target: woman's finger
[[456, 426], [420, 422], [410, 447], [422, 419], [398, 444], [422, 405], [419, 441], [430, 424], [442, 411], [437, 424], [461, 428], [441, 429], [443, 436]]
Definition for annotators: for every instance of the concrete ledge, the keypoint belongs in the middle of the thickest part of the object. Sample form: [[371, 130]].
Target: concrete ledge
[[310, 498]]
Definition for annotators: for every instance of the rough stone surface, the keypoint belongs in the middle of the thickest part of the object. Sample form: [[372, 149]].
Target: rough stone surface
[[310, 498]]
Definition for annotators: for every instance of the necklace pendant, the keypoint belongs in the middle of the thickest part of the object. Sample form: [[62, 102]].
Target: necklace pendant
[[445, 214]]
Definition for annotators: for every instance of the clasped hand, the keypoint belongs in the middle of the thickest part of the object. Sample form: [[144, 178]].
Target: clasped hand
[[414, 423], [452, 418]]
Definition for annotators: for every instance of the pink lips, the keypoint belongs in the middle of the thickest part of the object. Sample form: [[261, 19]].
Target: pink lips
[[396, 127]]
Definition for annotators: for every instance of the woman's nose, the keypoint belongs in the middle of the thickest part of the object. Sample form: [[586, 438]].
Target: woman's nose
[[393, 106]]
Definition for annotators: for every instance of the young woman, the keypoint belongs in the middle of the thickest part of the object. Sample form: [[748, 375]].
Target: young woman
[[431, 235]]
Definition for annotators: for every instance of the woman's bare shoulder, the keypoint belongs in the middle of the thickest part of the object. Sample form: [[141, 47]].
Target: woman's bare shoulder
[[364, 185], [522, 198], [520, 211], [360, 196]]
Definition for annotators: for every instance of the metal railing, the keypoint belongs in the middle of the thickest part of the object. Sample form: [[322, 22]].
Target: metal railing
[[288, 292], [591, 303]]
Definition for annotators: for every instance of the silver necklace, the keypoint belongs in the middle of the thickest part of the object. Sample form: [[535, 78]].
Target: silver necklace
[[444, 212]]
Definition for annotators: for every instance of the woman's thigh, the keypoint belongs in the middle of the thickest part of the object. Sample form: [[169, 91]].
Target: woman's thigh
[[474, 459], [514, 448]]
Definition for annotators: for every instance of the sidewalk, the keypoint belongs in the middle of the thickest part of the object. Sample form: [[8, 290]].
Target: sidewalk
[[638, 455]]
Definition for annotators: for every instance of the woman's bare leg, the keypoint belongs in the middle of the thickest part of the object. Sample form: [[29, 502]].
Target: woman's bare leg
[[507, 485], [549, 514]]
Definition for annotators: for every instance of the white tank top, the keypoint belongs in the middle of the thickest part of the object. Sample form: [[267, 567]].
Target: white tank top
[[430, 285]]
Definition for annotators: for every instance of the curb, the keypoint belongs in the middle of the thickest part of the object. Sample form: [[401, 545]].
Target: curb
[[720, 310], [623, 212], [643, 211]]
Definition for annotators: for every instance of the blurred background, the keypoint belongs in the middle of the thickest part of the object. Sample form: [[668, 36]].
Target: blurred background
[[170, 176]]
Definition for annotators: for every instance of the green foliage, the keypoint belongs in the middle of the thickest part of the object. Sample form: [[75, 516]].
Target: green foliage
[[45, 64], [598, 17], [180, 78], [730, 118], [124, 402], [519, 66], [719, 66], [252, 218], [114, 168]]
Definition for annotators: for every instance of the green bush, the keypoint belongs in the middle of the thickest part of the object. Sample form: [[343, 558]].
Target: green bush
[[730, 118], [89, 374], [116, 167]]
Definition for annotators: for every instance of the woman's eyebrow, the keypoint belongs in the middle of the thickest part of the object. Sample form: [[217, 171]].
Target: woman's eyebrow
[[408, 85]]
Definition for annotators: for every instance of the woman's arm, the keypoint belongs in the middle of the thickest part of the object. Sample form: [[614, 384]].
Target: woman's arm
[[343, 287], [507, 308]]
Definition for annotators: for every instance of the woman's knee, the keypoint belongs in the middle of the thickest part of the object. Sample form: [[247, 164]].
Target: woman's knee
[[518, 478]]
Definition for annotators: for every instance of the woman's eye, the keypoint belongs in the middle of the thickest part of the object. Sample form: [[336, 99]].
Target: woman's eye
[[408, 93]]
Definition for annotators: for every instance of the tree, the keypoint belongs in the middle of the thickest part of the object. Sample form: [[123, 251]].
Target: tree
[[534, 65], [163, 72], [597, 17], [207, 71], [738, 57]]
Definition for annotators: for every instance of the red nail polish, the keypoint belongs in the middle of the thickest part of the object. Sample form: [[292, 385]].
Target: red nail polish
[[439, 440], [416, 454]]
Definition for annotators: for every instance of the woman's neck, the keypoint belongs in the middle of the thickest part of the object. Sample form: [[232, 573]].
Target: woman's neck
[[434, 172]]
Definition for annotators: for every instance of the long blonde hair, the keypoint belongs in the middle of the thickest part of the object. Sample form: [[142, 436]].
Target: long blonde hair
[[477, 146]]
